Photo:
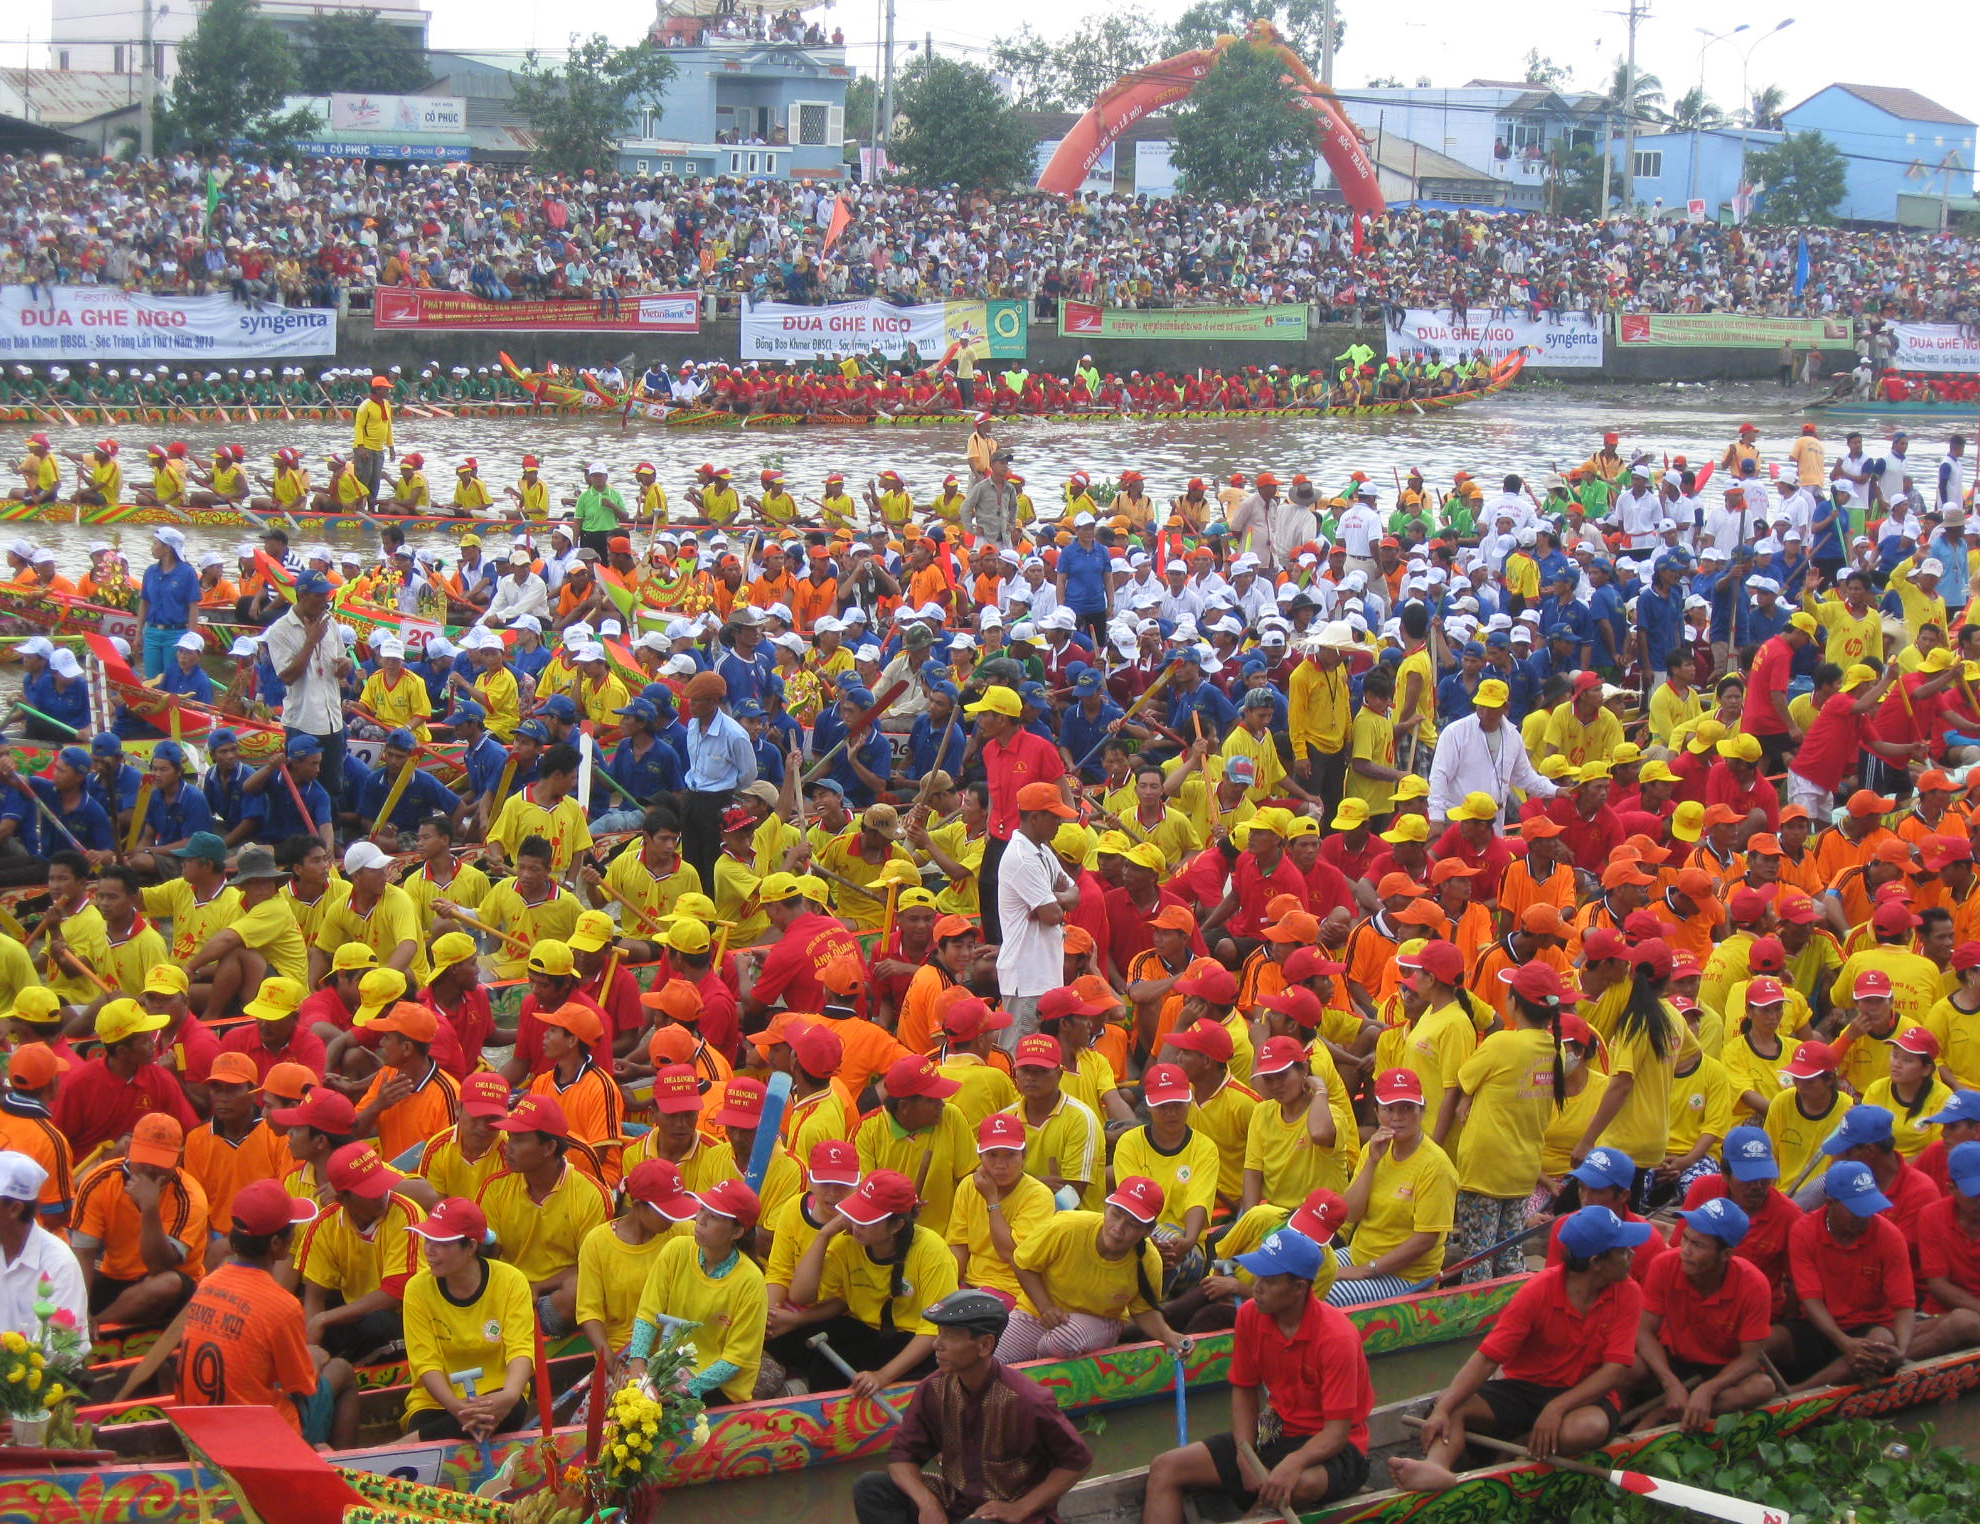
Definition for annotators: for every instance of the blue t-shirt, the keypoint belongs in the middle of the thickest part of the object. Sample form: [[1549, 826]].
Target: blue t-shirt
[[925, 737], [129, 780], [425, 795], [273, 810], [176, 819], [194, 685], [1081, 735], [1085, 571], [223, 794], [170, 595], [644, 777], [87, 823], [68, 703]]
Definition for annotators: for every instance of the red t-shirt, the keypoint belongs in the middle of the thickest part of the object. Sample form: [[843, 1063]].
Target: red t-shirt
[[1708, 1330], [791, 966], [1128, 932], [94, 1106], [1257, 888], [1009, 766], [1766, 1241], [1931, 1163], [1587, 838], [1648, 1254], [1721, 787], [1327, 888], [721, 1019], [1864, 1282], [1491, 862], [473, 1021], [1911, 1193], [189, 1052], [1541, 1337], [1946, 1253], [1773, 666], [1353, 865], [623, 1012], [529, 1035], [1829, 750], [304, 1048], [1317, 1377]]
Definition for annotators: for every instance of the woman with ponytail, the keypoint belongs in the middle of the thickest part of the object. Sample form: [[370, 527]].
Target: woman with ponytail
[[1511, 1086], [1443, 1036], [1912, 1092], [1634, 1117]]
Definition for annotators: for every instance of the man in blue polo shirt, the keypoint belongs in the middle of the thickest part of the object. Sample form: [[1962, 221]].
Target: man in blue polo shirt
[[644, 766], [422, 796]]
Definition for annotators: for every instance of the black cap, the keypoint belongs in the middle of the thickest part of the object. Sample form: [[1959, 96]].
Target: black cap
[[978, 1311]]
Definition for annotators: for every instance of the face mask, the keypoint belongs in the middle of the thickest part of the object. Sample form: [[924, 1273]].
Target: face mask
[[1571, 1061]]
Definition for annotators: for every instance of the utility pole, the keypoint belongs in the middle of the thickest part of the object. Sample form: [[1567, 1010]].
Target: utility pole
[[1638, 9], [887, 88], [928, 46], [1327, 42], [148, 88], [1602, 214]]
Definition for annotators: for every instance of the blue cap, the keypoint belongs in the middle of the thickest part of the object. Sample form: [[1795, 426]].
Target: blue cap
[[1035, 695], [1963, 1107], [220, 736], [75, 757], [1860, 1125], [847, 679], [659, 695], [312, 581], [533, 730], [1606, 1167], [559, 706], [948, 690], [467, 710], [299, 746], [404, 739], [641, 709], [1855, 1187], [169, 751], [1498, 639], [1560, 632], [748, 709], [1719, 1218], [1596, 1230], [828, 782], [106, 744], [1088, 683], [861, 696], [1749, 1154], [1749, 468], [1287, 1252], [1963, 1164], [1475, 648]]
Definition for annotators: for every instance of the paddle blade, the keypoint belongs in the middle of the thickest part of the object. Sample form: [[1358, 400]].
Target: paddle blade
[[775, 1103], [1714, 1505]]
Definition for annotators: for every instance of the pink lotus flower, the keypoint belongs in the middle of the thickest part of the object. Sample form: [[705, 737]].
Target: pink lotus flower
[[64, 1318]]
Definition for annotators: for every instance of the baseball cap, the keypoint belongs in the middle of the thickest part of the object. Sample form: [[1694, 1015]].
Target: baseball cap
[[485, 1094], [1396, 1086], [121, 1019], [1277, 1055], [917, 1075], [455, 1217], [1719, 1218], [1210, 981], [657, 1182], [263, 1208], [35, 1064], [356, 1168], [1001, 1129], [581, 1021], [1860, 1125], [742, 1103], [1037, 1052], [278, 997], [1810, 1059], [411, 1020], [1749, 1154], [882, 1194], [1596, 1230], [1210, 1038], [1962, 1165], [675, 1090], [322, 1109], [1139, 1197], [1286, 1252], [1606, 1167], [834, 1161], [1854, 1186], [537, 1113], [732, 1199], [156, 1139], [1163, 1084], [1963, 1107]]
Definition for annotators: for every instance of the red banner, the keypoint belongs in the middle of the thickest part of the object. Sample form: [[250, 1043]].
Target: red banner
[[410, 307]]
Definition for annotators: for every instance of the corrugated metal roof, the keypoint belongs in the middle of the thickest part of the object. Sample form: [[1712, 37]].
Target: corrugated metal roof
[[1895, 100], [1405, 156], [61, 97]]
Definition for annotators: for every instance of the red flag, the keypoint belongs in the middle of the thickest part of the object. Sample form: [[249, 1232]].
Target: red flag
[[841, 215], [1357, 232]]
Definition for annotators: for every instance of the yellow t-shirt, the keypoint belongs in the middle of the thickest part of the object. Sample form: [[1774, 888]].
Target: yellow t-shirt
[[1405, 1197], [192, 922], [1798, 1137], [89, 939], [706, 1163], [985, 1088], [1909, 1129], [541, 1238], [792, 1229], [735, 887], [1026, 1209], [467, 888], [1847, 639], [309, 914], [499, 694], [1264, 755], [1226, 1120], [1188, 1176], [927, 1275], [1959, 1042], [951, 1150], [1436, 1049], [1642, 1129], [1701, 1102], [562, 824], [1747, 1070], [1567, 1125], [1373, 739], [333, 1254], [404, 703], [1418, 662], [498, 1326], [270, 930], [727, 1311], [1069, 1137], [1510, 1079], [450, 1172], [551, 919], [1290, 1163], [634, 881], [131, 961], [1579, 743], [1065, 1255], [391, 921]]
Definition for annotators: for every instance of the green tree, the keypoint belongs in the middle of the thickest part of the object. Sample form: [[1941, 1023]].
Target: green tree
[[1540, 70], [859, 107], [1645, 101], [1301, 25], [581, 110], [1241, 134], [234, 72], [356, 51], [1030, 63], [1068, 74], [1574, 179], [955, 127], [1694, 111], [1804, 178], [1766, 107]]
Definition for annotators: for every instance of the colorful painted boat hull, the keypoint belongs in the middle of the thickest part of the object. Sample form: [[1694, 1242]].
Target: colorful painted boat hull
[[1955, 415], [752, 1439]]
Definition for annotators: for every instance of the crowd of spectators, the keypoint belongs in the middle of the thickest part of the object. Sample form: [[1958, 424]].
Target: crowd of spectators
[[323, 232]]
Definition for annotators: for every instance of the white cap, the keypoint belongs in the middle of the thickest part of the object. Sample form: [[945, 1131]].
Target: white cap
[[21, 1178], [123, 646], [361, 855], [64, 664], [243, 646], [438, 646], [868, 652], [1081, 521], [37, 645], [606, 628], [191, 642], [166, 536], [391, 646], [527, 622], [652, 640], [596, 468], [680, 666], [1931, 566], [1695, 602]]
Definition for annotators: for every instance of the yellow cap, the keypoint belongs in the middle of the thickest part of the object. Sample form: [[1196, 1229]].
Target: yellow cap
[[1350, 815], [1407, 828], [1112, 844], [553, 958], [36, 1003], [1491, 694], [1688, 822], [1857, 676], [690, 937], [278, 997], [1476, 806], [778, 887], [594, 931], [167, 979], [454, 947], [376, 990], [1410, 786], [125, 1018], [1657, 771]]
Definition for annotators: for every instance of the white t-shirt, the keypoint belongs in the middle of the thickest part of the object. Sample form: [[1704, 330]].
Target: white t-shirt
[[313, 704], [42, 1254], [1032, 956]]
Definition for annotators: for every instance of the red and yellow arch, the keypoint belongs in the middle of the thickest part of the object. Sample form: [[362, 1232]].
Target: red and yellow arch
[[1135, 95]]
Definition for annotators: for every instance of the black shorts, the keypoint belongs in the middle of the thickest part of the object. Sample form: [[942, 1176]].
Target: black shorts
[[1516, 1406], [104, 1290], [1810, 1348], [1347, 1468], [1684, 1370], [438, 1423]]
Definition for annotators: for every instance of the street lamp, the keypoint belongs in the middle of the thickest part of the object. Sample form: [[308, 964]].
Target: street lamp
[[1710, 37], [1746, 100]]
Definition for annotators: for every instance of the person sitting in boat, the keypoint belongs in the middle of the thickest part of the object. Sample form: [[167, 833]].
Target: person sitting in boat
[[1562, 1349], [168, 479], [288, 489], [617, 1257], [1308, 1360], [140, 1228], [1403, 1199], [706, 1281], [466, 1311], [864, 1278], [1005, 1449], [274, 810], [41, 473], [54, 702], [1949, 1259], [410, 493], [1852, 1271], [343, 491]]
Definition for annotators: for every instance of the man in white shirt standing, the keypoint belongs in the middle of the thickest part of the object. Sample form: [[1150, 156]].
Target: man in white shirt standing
[[1638, 509], [306, 649], [28, 1251], [1033, 895], [1359, 530], [1729, 526]]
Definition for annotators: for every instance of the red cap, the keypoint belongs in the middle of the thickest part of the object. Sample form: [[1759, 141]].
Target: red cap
[[1298, 1002], [1964, 956], [1037, 1052], [1139, 1197], [675, 1089], [1209, 981], [1539, 982], [1440, 960], [884, 1193], [742, 1103], [1810, 1059], [357, 1168], [456, 1217], [1576, 1030], [537, 1113], [1765, 991], [1873, 982], [1210, 1038], [1320, 1216], [1603, 943], [917, 1075], [1278, 1055], [485, 1094], [657, 1182], [1654, 955], [816, 1047], [1001, 1129], [1766, 956], [1746, 906], [1162, 1084], [733, 1199], [1914, 1040], [834, 1161], [1394, 1085], [1056, 1005], [1797, 910], [1305, 963], [322, 1109], [1893, 916], [263, 1207]]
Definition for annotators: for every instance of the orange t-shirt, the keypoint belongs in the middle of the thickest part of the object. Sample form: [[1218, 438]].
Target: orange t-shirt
[[107, 1218], [812, 601], [929, 585], [244, 1345], [222, 1168], [433, 1107], [595, 1110], [869, 1050]]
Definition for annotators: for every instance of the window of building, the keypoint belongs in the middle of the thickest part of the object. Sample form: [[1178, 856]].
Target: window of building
[[117, 59], [639, 167], [818, 124], [1649, 164], [62, 60]]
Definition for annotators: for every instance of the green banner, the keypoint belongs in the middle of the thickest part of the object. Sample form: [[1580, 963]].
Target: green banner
[[1284, 323], [1725, 330], [1008, 327]]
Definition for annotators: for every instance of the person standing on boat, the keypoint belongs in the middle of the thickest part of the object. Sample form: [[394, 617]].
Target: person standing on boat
[[1562, 1348], [371, 437], [168, 599], [309, 657], [1307, 1358], [1006, 1452]]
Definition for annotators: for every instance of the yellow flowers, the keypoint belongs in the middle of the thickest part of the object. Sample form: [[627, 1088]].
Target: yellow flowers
[[34, 1381], [14, 1343], [18, 1374], [619, 1452], [54, 1395]]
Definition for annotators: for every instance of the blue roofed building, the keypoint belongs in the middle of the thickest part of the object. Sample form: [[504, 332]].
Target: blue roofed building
[[1898, 143]]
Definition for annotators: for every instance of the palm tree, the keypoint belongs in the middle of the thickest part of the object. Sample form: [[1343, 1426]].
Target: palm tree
[[1766, 108], [1645, 103], [1694, 112]]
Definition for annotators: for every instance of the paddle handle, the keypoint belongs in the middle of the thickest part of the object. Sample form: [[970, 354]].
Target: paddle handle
[[1479, 1258], [819, 1343], [1182, 1404], [1248, 1457]]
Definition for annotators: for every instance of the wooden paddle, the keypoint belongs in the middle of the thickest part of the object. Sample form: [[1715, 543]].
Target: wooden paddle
[[479, 925], [398, 792]]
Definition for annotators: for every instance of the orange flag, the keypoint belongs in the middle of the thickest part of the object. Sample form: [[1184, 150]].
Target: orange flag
[[841, 215]]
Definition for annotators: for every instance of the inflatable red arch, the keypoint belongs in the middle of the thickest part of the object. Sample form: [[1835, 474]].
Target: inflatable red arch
[[1135, 95]]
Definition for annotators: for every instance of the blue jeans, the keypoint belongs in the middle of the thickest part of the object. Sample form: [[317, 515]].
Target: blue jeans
[[618, 820], [159, 645]]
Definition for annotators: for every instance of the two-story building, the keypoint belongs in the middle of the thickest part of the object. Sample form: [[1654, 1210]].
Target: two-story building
[[1499, 130], [107, 35], [1897, 142]]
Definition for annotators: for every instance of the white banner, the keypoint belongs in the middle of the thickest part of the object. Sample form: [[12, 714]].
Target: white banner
[[1937, 346], [398, 113], [103, 323], [1573, 343], [774, 331]]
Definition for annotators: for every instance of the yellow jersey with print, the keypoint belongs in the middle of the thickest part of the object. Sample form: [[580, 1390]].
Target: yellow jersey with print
[[1065, 1255], [1225, 1118], [404, 703], [497, 692], [338, 1255], [541, 1238], [495, 1327], [1406, 1197], [552, 918], [1067, 1143], [309, 914], [949, 1147], [611, 1277], [724, 1305], [467, 888], [1510, 1079], [1027, 1207], [563, 824], [444, 1165], [633, 880], [193, 919], [883, 1295], [1187, 1173], [1796, 1135]]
